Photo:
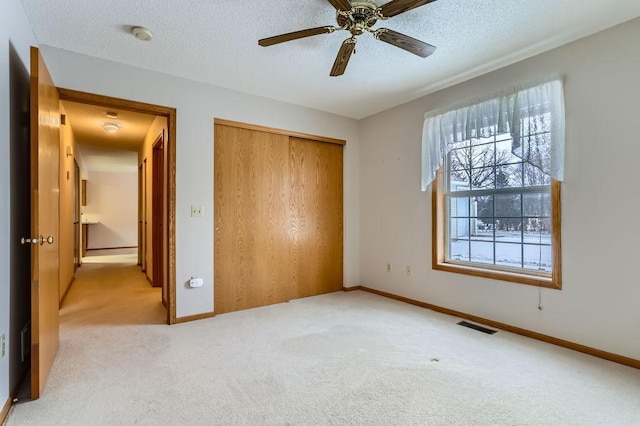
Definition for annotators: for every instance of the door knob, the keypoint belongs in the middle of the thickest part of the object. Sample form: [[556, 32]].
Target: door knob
[[28, 241], [48, 239]]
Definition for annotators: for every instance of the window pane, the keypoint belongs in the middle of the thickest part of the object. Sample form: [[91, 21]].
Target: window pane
[[458, 207], [461, 144], [503, 137], [481, 252], [537, 257], [533, 176], [482, 156], [509, 176], [536, 205], [459, 181], [537, 123], [508, 230], [459, 250], [508, 205], [483, 208], [509, 255], [479, 140], [504, 154], [460, 159], [482, 178], [458, 229], [537, 231]]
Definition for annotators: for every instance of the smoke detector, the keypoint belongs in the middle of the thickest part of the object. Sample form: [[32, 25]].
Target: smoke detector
[[142, 33]]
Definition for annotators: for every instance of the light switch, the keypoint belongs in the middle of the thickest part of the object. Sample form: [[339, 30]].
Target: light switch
[[197, 211]]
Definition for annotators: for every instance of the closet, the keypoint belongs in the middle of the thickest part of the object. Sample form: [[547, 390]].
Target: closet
[[278, 216]]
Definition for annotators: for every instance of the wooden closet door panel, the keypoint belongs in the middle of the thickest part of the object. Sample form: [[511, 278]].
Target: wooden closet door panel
[[251, 219], [316, 216], [271, 218]]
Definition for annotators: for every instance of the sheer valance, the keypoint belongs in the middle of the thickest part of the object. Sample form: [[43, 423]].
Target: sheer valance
[[533, 116]]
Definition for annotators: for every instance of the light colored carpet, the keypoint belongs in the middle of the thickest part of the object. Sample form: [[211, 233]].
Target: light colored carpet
[[337, 359]]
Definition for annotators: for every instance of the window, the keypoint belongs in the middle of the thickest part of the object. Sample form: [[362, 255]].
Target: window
[[496, 201]]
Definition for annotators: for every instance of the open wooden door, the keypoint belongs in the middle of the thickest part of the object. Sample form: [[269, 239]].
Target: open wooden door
[[45, 146]]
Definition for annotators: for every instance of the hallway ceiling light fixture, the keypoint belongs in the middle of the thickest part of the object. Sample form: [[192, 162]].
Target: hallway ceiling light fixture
[[111, 114], [142, 33], [111, 127]]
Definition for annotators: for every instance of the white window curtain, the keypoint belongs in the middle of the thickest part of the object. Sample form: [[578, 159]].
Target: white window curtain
[[533, 115]]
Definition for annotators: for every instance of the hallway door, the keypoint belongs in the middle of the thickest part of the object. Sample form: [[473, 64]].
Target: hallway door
[[77, 259], [45, 146], [157, 214]]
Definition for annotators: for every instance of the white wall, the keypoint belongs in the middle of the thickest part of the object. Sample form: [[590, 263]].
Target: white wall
[[112, 200], [14, 29], [598, 305], [197, 105]]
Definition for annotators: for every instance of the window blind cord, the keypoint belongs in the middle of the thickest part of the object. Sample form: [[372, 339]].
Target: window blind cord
[[539, 297]]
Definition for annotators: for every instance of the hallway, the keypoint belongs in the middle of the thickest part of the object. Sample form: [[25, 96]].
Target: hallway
[[110, 289]]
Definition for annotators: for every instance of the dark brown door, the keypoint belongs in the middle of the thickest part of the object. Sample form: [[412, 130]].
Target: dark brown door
[[77, 259], [140, 195], [157, 211], [144, 232], [45, 146]]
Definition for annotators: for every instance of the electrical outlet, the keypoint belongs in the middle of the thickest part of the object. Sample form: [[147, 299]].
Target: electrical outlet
[[2, 339], [197, 211], [196, 282], [389, 267], [408, 270]]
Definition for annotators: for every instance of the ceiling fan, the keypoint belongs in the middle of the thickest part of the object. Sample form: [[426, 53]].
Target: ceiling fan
[[358, 17]]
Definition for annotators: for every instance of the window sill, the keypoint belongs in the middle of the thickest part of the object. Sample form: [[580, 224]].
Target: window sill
[[514, 277]]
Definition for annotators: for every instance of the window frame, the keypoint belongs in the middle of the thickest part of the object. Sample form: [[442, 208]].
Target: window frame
[[439, 262]]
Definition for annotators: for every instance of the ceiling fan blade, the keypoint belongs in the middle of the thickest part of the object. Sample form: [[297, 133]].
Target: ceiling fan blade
[[295, 35], [396, 7], [342, 5], [340, 64], [405, 42]]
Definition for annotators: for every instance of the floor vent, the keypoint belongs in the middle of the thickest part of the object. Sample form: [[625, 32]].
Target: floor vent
[[477, 327]]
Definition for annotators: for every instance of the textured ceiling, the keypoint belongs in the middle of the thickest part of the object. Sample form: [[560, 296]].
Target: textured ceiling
[[216, 42]]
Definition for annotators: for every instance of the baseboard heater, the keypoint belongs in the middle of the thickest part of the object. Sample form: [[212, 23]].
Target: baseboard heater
[[477, 327]]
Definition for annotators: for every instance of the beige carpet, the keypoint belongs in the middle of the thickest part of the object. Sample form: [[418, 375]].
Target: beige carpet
[[338, 359]]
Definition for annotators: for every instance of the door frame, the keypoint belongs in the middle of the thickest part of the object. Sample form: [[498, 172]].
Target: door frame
[[169, 257]]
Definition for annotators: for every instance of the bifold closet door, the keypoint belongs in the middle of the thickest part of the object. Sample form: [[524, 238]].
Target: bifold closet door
[[316, 216], [251, 202]]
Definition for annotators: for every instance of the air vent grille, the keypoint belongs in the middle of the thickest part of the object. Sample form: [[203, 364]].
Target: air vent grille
[[477, 327]]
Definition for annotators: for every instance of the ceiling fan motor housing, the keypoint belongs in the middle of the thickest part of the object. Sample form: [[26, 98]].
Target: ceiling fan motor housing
[[360, 18]]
